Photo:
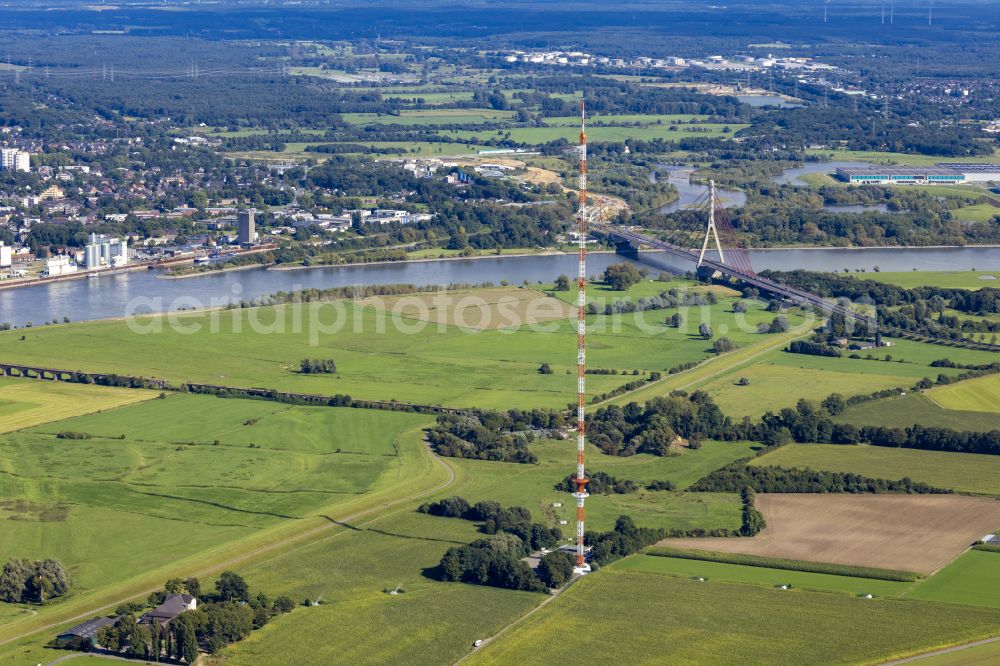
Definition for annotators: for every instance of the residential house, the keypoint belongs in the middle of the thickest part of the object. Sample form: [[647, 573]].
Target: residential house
[[172, 606]]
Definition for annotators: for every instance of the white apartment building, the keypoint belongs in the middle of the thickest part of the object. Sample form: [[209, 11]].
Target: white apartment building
[[12, 159]]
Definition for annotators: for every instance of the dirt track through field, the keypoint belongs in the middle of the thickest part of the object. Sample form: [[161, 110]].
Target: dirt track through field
[[920, 533]]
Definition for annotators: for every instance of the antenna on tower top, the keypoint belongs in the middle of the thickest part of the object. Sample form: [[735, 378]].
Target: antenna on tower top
[[826, 4]]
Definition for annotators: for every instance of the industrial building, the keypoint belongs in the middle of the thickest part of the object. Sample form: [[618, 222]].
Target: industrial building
[[59, 265], [6, 255], [12, 159], [104, 252], [900, 175], [974, 173], [247, 233]]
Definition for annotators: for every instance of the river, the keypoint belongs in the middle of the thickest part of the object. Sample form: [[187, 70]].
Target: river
[[117, 295]]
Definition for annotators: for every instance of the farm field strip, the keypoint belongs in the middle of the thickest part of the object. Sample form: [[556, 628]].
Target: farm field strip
[[29, 402], [774, 578], [904, 411], [976, 395], [963, 472]]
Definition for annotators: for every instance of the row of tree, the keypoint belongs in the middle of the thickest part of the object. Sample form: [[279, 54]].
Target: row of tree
[[741, 477]]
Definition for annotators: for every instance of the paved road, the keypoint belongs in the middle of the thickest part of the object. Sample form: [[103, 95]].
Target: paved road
[[957, 648], [100, 655], [302, 540]]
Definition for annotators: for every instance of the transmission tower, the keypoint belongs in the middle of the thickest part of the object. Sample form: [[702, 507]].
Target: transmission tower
[[581, 350]]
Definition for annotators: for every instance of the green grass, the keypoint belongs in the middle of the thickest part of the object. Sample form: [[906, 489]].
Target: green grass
[[778, 379], [979, 655], [736, 573], [945, 279], [825, 568], [29, 402], [533, 486], [975, 395], [431, 117], [913, 408], [376, 359], [977, 213], [615, 134], [963, 472], [894, 158], [666, 618], [430, 623], [617, 119], [973, 578], [172, 490]]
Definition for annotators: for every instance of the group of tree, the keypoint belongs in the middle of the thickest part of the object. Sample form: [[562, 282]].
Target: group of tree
[[498, 559], [600, 483], [495, 518], [813, 348], [317, 366], [657, 425], [671, 298], [33, 581], [625, 539], [622, 276], [222, 617], [489, 435]]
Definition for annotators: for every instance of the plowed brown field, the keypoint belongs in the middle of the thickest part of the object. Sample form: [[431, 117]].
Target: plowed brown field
[[920, 533]]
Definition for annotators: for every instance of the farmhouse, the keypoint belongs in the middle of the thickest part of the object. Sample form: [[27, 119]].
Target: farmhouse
[[172, 606], [85, 631]]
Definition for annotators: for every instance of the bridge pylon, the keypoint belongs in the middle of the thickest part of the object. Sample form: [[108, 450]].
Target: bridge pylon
[[712, 232]]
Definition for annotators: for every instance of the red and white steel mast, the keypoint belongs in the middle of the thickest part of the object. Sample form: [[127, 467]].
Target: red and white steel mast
[[581, 353]]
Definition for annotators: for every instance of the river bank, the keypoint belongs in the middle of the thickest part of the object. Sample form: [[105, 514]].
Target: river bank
[[144, 291]]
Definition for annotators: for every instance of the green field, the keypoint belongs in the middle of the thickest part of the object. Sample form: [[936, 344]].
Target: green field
[[608, 133], [778, 378], [944, 279], [963, 472], [977, 213], [973, 578], [433, 117], [413, 361], [430, 623], [976, 395], [893, 158], [980, 655], [25, 403], [904, 411], [670, 619], [736, 573], [179, 477], [533, 486]]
